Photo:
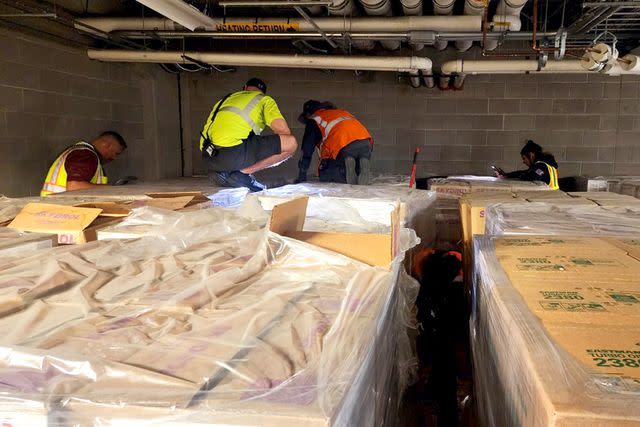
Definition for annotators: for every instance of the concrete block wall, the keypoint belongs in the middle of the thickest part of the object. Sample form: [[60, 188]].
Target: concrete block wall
[[52, 96], [591, 123]]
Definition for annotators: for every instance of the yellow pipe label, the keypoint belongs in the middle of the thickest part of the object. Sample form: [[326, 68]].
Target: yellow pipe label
[[264, 27]]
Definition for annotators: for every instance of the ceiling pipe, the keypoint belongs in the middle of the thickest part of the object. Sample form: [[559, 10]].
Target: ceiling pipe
[[380, 8], [442, 8], [473, 8], [413, 8], [460, 67], [328, 24], [510, 7], [372, 63], [178, 11]]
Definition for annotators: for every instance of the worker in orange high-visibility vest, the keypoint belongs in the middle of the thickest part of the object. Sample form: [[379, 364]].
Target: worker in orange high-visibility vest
[[344, 144], [80, 166], [542, 166]]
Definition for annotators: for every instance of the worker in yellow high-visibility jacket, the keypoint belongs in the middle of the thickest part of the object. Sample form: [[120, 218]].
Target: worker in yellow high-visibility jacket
[[80, 166], [232, 142]]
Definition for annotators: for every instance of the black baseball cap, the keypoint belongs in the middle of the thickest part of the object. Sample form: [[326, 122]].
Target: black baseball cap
[[256, 82]]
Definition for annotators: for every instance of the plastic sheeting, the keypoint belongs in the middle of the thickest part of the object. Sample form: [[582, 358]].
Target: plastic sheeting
[[546, 218], [15, 243], [350, 208], [554, 331], [209, 320]]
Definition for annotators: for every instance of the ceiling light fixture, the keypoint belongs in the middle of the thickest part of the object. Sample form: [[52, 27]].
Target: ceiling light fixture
[[181, 13]]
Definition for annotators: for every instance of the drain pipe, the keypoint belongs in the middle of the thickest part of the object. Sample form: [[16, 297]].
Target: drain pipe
[[372, 63], [442, 8]]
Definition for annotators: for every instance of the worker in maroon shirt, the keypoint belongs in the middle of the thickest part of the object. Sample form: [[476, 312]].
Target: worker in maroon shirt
[[80, 166]]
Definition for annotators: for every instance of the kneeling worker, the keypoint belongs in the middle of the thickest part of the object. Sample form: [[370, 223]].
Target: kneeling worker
[[80, 166], [542, 166], [231, 140], [343, 142]]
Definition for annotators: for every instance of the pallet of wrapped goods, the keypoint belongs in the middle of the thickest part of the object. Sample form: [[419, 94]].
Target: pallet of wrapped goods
[[212, 319], [547, 218], [15, 243], [611, 184], [457, 186], [554, 331]]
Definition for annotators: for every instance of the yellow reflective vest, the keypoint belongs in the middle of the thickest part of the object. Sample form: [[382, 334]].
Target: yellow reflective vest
[[56, 180], [553, 176]]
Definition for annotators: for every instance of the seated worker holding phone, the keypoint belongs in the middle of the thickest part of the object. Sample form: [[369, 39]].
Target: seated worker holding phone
[[542, 166]]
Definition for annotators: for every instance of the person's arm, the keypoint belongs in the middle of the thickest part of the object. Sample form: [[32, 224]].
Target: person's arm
[[280, 127], [80, 185], [516, 174], [310, 140]]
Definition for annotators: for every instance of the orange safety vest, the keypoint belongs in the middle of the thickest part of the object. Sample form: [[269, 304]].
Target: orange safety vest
[[420, 255], [339, 129]]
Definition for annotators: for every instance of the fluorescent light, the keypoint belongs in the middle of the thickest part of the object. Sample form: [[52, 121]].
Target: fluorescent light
[[180, 12]]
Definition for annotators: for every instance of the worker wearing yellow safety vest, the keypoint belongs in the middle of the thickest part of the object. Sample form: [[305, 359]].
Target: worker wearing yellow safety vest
[[80, 166], [232, 142], [542, 166]]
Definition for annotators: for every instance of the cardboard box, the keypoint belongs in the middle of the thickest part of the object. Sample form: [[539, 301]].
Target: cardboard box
[[287, 219], [73, 225], [558, 340]]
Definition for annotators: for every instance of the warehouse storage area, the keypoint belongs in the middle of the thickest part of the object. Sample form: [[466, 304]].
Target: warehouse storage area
[[319, 212]]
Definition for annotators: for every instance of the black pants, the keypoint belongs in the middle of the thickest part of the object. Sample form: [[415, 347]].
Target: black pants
[[334, 170]]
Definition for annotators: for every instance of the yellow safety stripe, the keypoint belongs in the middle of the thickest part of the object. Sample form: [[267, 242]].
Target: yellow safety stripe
[[246, 111], [553, 177]]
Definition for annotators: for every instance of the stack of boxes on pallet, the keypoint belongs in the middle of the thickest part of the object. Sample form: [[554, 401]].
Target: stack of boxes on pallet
[[555, 303], [184, 315]]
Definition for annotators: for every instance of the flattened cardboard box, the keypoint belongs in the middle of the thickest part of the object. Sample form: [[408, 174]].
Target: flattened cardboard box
[[73, 225]]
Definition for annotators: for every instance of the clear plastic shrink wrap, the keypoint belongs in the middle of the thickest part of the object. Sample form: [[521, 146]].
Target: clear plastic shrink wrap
[[554, 331], [545, 218], [351, 208], [213, 321], [14, 243]]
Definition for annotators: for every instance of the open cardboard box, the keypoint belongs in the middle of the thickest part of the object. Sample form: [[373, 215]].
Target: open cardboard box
[[287, 219]]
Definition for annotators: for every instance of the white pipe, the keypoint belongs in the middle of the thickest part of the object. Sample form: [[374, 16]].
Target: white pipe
[[442, 8], [180, 12], [412, 8], [329, 24], [381, 8], [461, 66], [471, 8], [373, 63], [510, 7]]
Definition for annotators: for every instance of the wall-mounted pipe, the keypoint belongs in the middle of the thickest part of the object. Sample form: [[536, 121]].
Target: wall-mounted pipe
[[329, 24], [373, 63], [460, 67], [442, 8]]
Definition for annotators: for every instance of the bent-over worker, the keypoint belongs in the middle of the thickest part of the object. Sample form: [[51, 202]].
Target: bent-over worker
[[344, 144], [542, 166], [80, 166], [231, 140]]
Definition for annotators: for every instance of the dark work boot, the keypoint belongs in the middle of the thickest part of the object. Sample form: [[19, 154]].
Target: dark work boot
[[365, 171], [238, 179], [350, 166]]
